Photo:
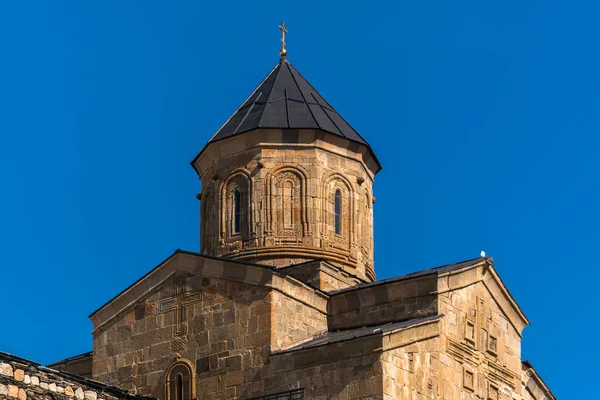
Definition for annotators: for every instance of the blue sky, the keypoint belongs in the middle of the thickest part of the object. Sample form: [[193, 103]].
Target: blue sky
[[483, 114]]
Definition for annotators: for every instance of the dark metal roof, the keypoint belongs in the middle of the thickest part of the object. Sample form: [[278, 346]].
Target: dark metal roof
[[348, 334], [285, 100], [72, 358]]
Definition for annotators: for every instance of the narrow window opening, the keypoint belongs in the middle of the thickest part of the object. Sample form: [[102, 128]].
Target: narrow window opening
[[237, 210], [338, 211], [288, 204], [180, 383], [179, 387]]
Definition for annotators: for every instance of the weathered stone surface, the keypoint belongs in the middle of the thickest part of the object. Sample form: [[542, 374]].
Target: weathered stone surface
[[13, 391], [79, 394], [6, 369], [288, 196], [42, 383], [19, 375]]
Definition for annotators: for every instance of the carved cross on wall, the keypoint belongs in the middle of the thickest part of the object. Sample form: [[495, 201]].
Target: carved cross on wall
[[179, 303]]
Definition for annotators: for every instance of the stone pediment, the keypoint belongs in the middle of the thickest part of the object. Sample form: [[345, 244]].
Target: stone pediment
[[485, 273], [211, 267]]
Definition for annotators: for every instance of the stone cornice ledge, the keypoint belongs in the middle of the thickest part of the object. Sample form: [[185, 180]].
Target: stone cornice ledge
[[416, 333], [534, 384]]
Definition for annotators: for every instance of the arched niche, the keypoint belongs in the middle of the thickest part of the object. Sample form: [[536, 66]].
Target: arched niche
[[286, 188], [180, 381], [236, 213], [338, 211]]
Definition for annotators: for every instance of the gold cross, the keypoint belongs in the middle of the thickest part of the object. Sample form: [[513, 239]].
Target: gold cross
[[283, 51]]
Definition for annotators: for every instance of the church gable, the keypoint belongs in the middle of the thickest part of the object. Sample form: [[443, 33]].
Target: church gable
[[209, 267], [210, 324], [211, 318], [482, 335]]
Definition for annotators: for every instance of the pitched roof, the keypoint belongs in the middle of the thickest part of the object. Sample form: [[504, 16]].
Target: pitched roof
[[355, 333], [206, 265], [284, 99]]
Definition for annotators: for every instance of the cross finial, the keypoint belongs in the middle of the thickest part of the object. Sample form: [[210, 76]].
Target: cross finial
[[283, 51]]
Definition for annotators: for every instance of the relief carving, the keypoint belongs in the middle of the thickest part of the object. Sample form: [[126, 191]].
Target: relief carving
[[287, 196]]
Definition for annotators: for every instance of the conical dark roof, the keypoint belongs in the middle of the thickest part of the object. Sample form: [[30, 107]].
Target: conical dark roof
[[284, 99]]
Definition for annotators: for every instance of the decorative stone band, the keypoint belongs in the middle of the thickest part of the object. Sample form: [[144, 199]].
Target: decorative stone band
[[338, 256]]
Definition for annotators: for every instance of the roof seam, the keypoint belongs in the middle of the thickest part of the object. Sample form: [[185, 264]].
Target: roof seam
[[241, 106], [287, 108], [302, 94], [268, 99], [327, 115], [333, 109], [247, 113]]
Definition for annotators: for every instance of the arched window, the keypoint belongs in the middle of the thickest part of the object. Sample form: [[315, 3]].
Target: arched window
[[180, 382], [338, 212], [236, 207], [237, 213]]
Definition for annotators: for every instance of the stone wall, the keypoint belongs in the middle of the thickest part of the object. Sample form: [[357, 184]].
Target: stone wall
[[293, 321], [223, 330], [482, 350], [287, 192], [412, 371], [322, 275], [347, 370], [22, 379], [383, 302], [247, 330]]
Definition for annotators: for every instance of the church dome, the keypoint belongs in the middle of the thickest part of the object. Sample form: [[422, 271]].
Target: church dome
[[287, 180]]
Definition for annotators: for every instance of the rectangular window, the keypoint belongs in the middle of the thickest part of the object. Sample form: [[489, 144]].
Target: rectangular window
[[237, 213], [297, 394], [338, 212]]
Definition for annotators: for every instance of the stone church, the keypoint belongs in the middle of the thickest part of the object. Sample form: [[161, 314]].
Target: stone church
[[281, 302]]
